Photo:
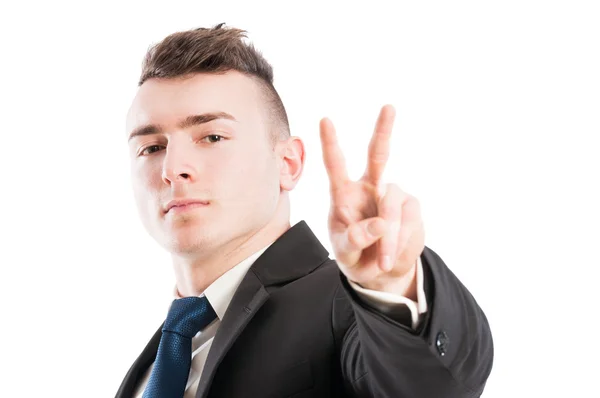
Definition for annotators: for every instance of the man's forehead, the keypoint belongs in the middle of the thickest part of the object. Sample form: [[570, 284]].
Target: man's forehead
[[171, 98]]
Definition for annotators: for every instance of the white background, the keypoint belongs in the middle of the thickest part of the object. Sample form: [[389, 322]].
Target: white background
[[497, 135]]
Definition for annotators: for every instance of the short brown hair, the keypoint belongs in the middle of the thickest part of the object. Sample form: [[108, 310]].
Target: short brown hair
[[216, 50]]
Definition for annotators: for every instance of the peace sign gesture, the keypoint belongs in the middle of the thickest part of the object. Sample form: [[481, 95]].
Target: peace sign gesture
[[376, 230]]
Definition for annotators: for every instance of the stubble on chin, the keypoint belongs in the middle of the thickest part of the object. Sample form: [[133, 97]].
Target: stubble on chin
[[186, 237]]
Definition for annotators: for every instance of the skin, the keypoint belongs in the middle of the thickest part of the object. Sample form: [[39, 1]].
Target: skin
[[244, 184]]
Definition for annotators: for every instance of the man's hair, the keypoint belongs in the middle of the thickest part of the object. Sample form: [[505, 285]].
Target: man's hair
[[217, 50]]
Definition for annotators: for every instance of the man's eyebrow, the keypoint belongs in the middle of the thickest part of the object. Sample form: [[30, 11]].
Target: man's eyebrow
[[192, 120]]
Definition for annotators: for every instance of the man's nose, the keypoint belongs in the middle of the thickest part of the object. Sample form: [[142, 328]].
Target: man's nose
[[178, 166]]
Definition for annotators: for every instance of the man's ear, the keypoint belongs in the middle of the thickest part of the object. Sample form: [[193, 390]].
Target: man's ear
[[292, 157]]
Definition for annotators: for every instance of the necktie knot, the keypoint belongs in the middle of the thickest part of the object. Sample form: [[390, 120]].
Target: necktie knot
[[188, 315]]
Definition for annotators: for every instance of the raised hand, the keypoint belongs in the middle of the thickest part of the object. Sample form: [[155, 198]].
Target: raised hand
[[376, 229]]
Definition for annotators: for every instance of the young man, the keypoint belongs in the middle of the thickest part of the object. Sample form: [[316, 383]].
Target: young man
[[260, 309]]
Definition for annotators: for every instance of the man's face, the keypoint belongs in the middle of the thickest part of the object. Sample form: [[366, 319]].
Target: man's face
[[209, 142]]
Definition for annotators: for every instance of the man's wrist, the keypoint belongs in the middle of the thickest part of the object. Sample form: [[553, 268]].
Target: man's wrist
[[405, 285]]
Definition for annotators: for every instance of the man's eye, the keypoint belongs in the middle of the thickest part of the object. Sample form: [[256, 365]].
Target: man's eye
[[150, 149], [213, 138]]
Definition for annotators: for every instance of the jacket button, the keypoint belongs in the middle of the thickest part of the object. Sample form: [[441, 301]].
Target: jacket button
[[442, 342]]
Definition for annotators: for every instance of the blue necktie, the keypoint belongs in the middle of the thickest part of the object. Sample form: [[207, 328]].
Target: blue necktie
[[187, 316]]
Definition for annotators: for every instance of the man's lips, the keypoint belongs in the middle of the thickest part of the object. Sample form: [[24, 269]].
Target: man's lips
[[179, 205]]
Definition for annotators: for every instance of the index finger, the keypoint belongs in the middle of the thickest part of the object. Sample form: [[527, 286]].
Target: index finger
[[335, 164], [379, 147]]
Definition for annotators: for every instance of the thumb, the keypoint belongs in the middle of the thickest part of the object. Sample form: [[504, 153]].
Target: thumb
[[357, 237]]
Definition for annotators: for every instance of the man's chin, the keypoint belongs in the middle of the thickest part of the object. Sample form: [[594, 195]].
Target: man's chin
[[187, 243]]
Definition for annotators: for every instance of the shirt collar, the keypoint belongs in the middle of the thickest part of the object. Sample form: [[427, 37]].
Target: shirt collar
[[221, 291]]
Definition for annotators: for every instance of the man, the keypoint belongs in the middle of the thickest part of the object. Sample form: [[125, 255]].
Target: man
[[260, 309]]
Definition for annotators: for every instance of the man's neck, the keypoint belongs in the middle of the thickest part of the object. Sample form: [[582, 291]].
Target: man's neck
[[194, 274]]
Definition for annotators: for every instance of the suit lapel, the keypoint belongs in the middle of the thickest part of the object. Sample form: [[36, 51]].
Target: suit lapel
[[296, 253], [249, 297], [140, 365]]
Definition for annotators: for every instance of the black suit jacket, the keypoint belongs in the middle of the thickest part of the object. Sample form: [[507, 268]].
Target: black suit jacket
[[295, 328]]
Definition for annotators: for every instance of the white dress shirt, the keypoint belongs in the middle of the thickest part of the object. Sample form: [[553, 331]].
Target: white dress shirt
[[221, 291]]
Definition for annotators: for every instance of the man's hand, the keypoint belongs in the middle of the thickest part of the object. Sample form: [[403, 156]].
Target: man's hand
[[376, 230]]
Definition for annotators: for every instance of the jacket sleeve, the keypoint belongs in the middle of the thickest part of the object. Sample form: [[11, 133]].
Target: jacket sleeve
[[449, 355]]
